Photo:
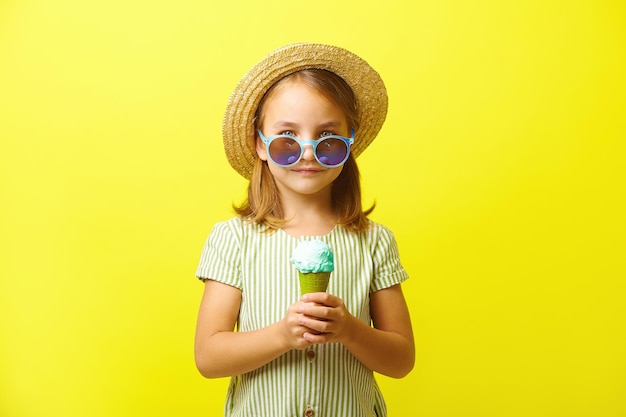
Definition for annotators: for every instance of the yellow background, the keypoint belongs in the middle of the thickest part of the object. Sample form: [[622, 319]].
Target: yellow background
[[500, 169]]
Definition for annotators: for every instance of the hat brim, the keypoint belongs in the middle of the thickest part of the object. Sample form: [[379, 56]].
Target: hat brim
[[238, 124]]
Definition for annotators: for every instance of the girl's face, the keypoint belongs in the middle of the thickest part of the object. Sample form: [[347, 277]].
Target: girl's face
[[296, 109]]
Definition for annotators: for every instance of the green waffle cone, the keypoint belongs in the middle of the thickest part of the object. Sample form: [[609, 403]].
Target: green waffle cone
[[313, 282]]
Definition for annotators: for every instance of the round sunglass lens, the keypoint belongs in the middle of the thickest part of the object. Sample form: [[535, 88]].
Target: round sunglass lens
[[332, 151], [284, 151]]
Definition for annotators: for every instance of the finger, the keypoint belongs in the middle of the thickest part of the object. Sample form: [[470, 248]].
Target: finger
[[310, 308], [316, 312], [315, 325], [316, 338], [321, 298]]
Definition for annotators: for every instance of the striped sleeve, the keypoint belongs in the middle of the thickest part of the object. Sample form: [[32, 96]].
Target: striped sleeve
[[220, 259], [388, 271]]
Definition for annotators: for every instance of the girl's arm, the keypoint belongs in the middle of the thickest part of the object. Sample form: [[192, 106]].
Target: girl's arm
[[387, 348], [220, 351]]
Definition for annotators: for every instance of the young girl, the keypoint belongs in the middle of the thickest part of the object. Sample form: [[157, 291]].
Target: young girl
[[293, 126]]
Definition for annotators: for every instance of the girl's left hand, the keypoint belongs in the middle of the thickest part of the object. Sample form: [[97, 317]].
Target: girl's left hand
[[327, 316]]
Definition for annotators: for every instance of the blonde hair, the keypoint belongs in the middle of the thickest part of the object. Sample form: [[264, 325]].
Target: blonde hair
[[263, 202]]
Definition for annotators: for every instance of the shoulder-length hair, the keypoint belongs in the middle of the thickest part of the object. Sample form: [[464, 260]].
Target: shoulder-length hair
[[263, 204]]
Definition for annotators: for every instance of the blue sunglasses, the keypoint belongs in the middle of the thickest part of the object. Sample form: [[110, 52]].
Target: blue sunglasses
[[330, 151]]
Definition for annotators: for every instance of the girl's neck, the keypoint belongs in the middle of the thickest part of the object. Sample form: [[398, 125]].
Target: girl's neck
[[309, 217]]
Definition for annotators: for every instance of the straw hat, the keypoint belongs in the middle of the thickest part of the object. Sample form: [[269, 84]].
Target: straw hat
[[238, 126]]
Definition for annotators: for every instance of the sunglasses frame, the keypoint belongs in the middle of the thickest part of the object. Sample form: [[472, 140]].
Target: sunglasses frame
[[267, 141]]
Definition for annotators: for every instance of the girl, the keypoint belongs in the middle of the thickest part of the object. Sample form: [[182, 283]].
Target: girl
[[293, 126]]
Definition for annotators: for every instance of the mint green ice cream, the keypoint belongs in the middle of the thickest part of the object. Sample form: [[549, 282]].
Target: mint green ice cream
[[313, 256]]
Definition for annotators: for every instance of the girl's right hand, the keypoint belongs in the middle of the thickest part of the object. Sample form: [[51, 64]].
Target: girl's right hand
[[291, 329]]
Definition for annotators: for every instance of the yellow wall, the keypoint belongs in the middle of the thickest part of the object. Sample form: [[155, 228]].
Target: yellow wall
[[500, 169]]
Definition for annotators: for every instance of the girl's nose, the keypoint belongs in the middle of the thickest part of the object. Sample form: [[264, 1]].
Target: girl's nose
[[308, 153]]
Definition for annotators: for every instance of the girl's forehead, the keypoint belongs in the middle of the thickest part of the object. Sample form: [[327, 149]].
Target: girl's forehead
[[294, 92], [299, 98], [290, 83], [295, 88], [294, 97]]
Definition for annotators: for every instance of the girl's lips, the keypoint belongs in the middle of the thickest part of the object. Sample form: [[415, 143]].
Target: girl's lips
[[307, 171]]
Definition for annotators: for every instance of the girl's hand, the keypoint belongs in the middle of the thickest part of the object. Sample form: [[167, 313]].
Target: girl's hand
[[292, 328], [325, 317], [387, 347]]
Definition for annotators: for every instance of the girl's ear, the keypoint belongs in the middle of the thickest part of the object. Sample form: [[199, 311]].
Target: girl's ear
[[260, 148]]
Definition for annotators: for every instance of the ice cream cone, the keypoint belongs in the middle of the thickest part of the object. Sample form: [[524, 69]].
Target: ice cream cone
[[313, 282]]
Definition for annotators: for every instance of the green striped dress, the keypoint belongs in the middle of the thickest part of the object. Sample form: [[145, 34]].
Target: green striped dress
[[323, 380]]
